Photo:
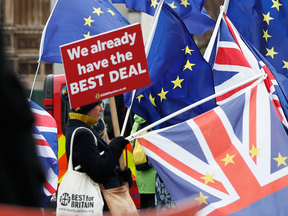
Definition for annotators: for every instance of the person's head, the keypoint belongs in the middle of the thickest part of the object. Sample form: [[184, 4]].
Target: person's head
[[93, 109], [96, 111]]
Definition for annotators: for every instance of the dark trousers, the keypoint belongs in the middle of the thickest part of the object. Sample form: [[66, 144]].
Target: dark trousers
[[147, 201]]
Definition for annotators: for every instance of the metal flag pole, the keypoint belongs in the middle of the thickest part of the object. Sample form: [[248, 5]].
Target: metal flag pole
[[127, 114], [223, 9], [209, 48], [34, 80], [147, 49], [133, 136], [226, 4]]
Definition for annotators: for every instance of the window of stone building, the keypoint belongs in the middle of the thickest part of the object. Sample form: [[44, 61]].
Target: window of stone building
[[1, 12], [27, 68], [48, 68], [45, 11], [31, 12], [23, 68], [10, 64], [7, 40], [33, 68], [27, 41]]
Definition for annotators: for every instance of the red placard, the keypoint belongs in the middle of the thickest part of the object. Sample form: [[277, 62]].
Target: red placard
[[105, 65]]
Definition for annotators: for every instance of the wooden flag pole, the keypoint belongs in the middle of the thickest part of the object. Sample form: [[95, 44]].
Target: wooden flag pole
[[116, 127]]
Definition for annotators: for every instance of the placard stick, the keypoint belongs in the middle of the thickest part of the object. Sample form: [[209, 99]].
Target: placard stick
[[116, 127]]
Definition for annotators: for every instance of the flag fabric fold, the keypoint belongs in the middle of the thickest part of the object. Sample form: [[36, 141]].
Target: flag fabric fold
[[179, 75], [45, 135], [264, 24], [231, 159], [192, 12], [234, 60], [72, 20], [272, 86]]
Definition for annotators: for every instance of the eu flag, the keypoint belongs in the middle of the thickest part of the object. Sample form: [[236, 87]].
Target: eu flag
[[192, 12], [73, 20], [179, 75], [265, 24]]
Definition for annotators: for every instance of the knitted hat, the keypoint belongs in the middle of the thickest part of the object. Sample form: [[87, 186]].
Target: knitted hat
[[83, 109]]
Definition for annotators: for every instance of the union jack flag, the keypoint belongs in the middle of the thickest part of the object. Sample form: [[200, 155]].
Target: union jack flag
[[45, 135], [264, 24], [231, 159], [234, 60]]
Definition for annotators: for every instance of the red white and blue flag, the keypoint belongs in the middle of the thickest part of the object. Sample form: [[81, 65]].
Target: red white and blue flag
[[233, 61], [231, 160], [45, 135], [272, 86]]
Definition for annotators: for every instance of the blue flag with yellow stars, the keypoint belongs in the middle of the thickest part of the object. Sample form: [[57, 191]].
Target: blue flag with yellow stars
[[179, 74], [264, 23], [72, 20], [192, 12]]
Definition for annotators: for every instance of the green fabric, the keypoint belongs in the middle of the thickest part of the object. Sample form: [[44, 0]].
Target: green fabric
[[137, 121], [145, 180]]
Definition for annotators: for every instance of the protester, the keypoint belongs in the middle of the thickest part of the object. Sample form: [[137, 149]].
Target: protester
[[163, 199], [153, 192], [22, 177], [101, 168], [145, 176]]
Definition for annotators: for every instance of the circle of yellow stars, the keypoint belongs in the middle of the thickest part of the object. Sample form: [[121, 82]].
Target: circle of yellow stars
[[177, 82], [269, 19], [89, 20], [185, 3]]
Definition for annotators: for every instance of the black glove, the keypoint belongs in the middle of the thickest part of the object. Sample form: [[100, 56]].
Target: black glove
[[125, 175], [120, 141]]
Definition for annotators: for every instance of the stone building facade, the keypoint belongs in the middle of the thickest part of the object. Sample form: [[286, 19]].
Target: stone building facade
[[22, 22]]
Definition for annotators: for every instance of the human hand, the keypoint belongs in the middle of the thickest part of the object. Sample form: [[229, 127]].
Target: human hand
[[120, 141], [124, 174]]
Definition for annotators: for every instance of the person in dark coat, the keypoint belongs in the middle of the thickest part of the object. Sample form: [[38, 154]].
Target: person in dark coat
[[101, 162], [22, 176]]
